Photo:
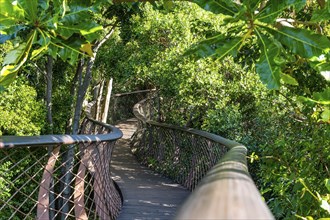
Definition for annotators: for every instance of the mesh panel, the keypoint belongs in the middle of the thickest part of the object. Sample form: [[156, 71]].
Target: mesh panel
[[32, 181], [178, 153]]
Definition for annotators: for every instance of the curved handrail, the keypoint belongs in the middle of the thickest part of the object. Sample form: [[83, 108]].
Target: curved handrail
[[93, 191], [227, 190], [134, 92], [44, 140], [122, 104]]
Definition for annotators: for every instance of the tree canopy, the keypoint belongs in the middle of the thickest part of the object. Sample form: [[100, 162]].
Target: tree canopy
[[255, 71]]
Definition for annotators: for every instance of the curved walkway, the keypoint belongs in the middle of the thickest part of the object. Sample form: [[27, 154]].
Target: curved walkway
[[147, 195]]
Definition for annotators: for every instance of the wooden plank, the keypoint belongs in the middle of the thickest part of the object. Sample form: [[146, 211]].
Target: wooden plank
[[147, 195]]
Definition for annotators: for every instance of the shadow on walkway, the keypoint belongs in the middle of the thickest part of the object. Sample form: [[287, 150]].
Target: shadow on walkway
[[147, 195]]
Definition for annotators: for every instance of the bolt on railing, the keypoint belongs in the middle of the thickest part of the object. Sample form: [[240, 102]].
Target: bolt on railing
[[214, 167], [31, 175]]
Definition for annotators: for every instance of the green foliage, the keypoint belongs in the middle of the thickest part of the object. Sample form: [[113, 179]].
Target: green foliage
[[21, 113], [288, 141], [17, 181], [261, 22], [49, 27], [227, 98], [291, 157]]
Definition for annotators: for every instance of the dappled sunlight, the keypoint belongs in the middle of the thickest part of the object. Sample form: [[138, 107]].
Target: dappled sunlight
[[144, 187], [147, 195]]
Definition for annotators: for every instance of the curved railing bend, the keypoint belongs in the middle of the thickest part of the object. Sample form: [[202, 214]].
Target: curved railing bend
[[32, 175], [122, 104], [214, 167]]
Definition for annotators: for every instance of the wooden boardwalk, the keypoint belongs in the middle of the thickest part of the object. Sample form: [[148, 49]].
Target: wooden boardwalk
[[147, 195]]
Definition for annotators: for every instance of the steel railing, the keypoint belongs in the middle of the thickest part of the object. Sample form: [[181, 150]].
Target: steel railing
[[32, 175], [122, 104], [213, 167]]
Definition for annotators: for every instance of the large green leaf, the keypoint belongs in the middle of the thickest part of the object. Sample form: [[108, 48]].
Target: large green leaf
[[289, 79], [10, 32], [69, 51], [266, 67], [217, 45], [77, 14], [322, 14], [302, 42], [31, 9], [7, 75], [14, 55], [229, 47], [10, 12], [20, 53], [66, 31], [274, 8], [322, 97], [219, 6], [73, 22], [15, 59]]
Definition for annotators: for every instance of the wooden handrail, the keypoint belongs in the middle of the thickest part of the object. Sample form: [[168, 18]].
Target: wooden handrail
[[227, 191]]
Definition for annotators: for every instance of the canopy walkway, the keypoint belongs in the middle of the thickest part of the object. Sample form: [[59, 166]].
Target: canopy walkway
[[147, 195], [93, 175]]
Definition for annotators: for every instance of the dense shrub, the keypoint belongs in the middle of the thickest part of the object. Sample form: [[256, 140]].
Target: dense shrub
[[20, 112]]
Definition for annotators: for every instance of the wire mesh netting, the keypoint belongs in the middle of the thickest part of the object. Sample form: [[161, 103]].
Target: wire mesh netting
[[47, 182], [181, 154]]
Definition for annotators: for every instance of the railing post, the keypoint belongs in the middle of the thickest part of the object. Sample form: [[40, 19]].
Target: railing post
[[43, 207]]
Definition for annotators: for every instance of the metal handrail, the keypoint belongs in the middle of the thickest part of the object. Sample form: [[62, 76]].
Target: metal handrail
[[134, 92], [225, 191], [122, 104], [35, 191]]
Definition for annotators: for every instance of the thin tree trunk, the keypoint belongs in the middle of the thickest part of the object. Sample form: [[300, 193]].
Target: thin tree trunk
[[82, 90], [98, 103], [321, 3], [81, 95], [49, 114], [88, 76], [76, 82], [49, 90], [107, 101]]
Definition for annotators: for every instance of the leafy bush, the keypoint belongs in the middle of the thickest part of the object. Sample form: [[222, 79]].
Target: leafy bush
[[20, 112], [287, 142]]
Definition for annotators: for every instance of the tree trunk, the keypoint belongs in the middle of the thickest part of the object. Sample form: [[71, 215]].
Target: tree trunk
[[76, 82], [107, 101], [69, 162], [98, 103], [49, 91], [75, 128], [49, 114]]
